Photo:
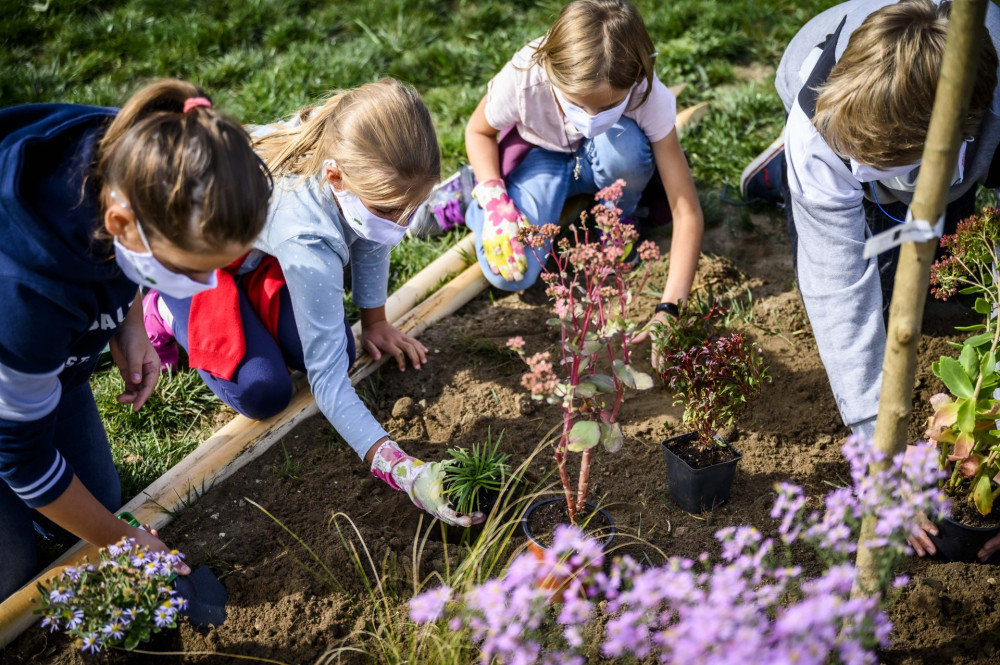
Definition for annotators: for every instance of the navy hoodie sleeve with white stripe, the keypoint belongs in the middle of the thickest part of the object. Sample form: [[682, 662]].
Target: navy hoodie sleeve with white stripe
[[62, 296]]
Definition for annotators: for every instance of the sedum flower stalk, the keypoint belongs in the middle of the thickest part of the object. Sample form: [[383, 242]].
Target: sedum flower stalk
[[591, 288]]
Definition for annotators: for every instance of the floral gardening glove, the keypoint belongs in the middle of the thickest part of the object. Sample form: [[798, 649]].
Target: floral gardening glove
[[422, 482], [504, 252]]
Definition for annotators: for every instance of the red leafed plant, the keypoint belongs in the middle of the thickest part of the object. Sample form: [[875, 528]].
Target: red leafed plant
[[591, 288], [715, 381]]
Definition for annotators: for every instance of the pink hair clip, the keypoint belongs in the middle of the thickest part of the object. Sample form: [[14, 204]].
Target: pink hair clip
[[195, 102]]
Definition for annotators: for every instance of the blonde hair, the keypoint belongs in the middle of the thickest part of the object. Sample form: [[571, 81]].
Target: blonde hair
[[597, 41], [191, 178], [381, 137], [876, 104]]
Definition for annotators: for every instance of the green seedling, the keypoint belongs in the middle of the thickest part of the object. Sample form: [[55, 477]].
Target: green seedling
[[472, 476]]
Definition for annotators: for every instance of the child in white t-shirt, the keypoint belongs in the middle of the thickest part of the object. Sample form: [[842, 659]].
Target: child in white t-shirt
[[585, 96]]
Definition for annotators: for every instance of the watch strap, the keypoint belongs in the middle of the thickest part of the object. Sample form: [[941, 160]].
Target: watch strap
[[668, 307]]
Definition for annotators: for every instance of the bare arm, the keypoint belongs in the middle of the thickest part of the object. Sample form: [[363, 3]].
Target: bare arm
[[688, 222], [135, 357], [80, 513], [481, 145]]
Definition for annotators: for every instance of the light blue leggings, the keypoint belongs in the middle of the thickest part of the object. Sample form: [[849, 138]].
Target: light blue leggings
[[540, 185]]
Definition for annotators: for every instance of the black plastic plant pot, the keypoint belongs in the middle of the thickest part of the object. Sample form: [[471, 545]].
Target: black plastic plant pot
[[536, 539], [488, 499], [958, 542], [697, 490]]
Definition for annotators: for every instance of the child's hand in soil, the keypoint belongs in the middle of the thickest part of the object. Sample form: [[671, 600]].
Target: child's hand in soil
[[921, 542], [422, 482], [428, 493], [382, 337], [989, 548]]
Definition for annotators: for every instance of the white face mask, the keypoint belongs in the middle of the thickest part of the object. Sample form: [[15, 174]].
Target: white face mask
[[143, 268], [591, 125], [364, 222], [904, 178]]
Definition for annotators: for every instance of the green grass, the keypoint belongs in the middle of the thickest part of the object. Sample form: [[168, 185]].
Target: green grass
[[289, 469], [263, 59], [170, 425]]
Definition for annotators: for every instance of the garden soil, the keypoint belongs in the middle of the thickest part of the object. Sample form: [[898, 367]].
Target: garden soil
[[287, 606]]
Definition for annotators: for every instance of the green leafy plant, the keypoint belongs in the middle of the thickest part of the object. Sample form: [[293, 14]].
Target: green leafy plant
[[715, 382], [120, 601], [471, 478], [964, 424]]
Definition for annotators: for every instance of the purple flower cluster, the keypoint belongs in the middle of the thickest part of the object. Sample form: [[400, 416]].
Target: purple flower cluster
[[510, 617], [896, 494], [119, 601], [753, 606]]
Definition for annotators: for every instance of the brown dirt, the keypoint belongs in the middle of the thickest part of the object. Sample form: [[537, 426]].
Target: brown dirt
[[543, 519], [284, 607]]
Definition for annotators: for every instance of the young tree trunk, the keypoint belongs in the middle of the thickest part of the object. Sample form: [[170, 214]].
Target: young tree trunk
[[583, 482], [966, 32]]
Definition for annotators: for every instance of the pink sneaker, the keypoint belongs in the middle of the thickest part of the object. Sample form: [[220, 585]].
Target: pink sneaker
[[160, 334]]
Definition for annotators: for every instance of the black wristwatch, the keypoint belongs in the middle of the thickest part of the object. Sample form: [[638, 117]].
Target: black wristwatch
[[668, 307]]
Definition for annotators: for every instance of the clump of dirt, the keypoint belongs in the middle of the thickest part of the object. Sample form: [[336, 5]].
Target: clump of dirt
[[292, 604]]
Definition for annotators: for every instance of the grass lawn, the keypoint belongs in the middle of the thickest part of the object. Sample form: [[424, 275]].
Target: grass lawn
[[263, 59]]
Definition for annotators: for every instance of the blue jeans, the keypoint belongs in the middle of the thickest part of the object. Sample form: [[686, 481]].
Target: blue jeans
[[80, 437], [540, 185], [261, 386]]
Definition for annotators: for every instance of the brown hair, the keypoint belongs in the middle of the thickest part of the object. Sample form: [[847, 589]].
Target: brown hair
[[597, 41], [191, 178], [876, 104], [381, 137]]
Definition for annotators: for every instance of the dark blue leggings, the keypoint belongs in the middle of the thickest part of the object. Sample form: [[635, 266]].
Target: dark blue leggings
[[261, 386], [878, 221], [79, 436]]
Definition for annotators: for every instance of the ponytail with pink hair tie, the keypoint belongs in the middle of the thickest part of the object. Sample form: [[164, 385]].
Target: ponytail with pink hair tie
[[195, 102]]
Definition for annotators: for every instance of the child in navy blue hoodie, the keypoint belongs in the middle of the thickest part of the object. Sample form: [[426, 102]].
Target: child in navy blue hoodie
[[93, 202]]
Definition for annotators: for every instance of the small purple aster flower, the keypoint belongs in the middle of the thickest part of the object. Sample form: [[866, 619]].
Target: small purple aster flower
[[121, 547], [115, 630], [73, 618], [429, 606], [163, 616], [90, 644]]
